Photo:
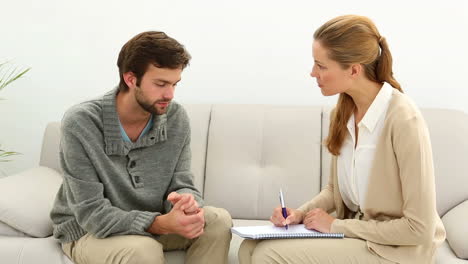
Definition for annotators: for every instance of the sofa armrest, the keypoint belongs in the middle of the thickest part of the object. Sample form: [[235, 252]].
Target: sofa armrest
[[455, 222], [26, 200]]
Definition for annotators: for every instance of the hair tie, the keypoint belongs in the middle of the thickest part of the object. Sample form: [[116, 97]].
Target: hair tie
[[381, 39]]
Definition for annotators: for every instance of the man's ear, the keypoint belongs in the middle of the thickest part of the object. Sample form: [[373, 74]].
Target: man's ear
[[130, 79], [356, 70]]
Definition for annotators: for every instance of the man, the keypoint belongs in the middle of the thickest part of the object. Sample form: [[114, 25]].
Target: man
[[128, 193]]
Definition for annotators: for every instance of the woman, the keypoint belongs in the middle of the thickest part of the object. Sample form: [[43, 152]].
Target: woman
[[381, 184]]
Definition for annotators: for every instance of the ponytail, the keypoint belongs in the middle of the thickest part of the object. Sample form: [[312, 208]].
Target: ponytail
[[384, 65]]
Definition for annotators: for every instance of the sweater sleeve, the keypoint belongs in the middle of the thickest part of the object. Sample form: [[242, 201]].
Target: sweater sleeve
[[85, 192], [412, 148], [182, 179]]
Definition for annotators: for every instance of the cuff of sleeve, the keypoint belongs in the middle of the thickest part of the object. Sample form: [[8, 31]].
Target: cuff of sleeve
[[143, 221], [304, 208], [200, 201], [338, 226]]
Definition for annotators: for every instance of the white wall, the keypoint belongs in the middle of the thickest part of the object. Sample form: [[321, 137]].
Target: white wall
[[243, 52]]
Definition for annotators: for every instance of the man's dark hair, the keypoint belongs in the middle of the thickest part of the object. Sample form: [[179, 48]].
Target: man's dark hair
[[151, 47]]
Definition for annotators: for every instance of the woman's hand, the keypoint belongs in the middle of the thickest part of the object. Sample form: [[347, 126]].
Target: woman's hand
[[294, 217], [319, 220]]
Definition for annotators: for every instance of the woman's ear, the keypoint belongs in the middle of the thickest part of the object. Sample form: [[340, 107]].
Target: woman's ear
[[130, 79], [356, 70]]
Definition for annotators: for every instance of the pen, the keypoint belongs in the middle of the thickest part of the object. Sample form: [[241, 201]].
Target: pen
[[283, 208]]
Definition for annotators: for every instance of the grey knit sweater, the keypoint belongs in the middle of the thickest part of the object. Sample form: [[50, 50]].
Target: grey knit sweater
[[113, 187]]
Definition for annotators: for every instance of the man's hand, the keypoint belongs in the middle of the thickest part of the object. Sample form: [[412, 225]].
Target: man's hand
[[294, 217], [184, 202], [319, 220], [178, 222]]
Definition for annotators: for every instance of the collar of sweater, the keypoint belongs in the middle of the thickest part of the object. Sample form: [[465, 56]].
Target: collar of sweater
[[115, 145]]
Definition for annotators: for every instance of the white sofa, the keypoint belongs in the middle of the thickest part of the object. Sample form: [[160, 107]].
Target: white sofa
[[242, 155]]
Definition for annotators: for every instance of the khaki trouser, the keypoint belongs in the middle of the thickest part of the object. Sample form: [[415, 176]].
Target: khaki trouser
[[211, 247], [310, 251]]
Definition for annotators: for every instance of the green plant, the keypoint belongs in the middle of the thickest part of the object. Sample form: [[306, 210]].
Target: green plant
[[9, 74], [4, 154]]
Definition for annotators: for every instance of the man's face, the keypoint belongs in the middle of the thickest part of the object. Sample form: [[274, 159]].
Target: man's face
[[156, 89]]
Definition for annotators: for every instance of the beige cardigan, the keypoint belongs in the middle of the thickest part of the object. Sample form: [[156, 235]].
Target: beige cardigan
[[400, 222]]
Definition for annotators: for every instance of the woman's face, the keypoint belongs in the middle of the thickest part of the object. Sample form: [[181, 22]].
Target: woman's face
[[331, 77]]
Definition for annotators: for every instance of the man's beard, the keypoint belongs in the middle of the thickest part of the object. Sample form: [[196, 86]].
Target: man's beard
[[150, 107]]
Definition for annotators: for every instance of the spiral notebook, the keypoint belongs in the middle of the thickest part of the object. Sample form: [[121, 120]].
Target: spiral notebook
[[273, 232]]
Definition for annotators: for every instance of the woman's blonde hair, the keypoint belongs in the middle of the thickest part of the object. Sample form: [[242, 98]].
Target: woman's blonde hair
[[349, 40]]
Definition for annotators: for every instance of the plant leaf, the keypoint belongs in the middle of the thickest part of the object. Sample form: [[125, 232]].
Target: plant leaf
[[13, 76]]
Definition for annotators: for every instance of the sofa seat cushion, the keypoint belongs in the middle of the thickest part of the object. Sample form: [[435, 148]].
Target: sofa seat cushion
[[445, 255], [175, 257], [6, 230], [457, 230], [22, 250], [26, 200]]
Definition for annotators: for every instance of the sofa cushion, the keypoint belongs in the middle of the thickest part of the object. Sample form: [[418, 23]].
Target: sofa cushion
[[24, 250], [175, 256], [448, 130], [326, 155], [50, 147], [457, 229], [199, 115], [445, 255], [254, 150], [6, 230], [26, 200]]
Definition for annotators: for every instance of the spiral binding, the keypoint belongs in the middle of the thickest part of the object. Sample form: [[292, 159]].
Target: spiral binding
[[299, 235]]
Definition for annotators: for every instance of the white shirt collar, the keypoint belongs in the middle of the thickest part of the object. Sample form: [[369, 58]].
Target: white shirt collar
[[377, 108]]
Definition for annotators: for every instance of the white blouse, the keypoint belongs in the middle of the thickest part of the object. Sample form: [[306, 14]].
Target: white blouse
[[354, 164]]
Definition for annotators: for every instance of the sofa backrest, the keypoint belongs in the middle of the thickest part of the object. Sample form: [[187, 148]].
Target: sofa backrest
[[199, 122], [50, 147], [243, 154], [449, 138], [254, 150]]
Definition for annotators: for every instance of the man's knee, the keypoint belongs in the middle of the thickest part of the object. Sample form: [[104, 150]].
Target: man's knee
[[217, 219], [145, 250]]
